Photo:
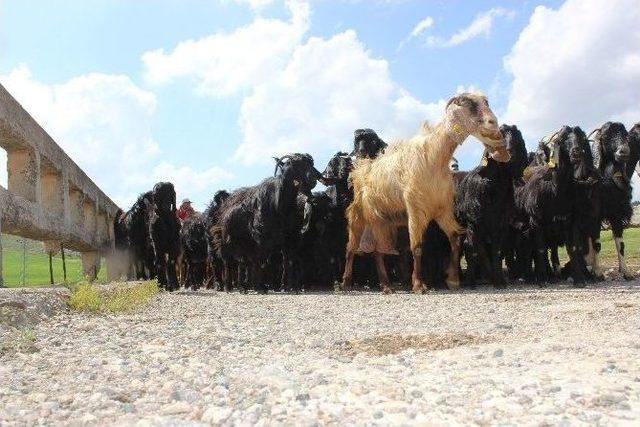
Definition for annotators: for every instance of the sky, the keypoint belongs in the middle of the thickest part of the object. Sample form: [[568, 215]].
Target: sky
[[205, 93]]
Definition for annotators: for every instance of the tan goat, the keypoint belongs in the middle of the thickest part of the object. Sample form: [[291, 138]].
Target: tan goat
[[411, 184]]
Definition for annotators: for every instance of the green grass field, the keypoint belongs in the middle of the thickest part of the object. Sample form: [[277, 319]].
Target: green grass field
[[37, 264]]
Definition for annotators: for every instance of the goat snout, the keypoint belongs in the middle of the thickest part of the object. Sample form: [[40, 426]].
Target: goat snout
[[622, 153], [576, 153]]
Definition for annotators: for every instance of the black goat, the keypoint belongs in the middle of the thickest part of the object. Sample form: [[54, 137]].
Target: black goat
[[340, 194], [316, 241], [193, 237], [367, 144], [612, 158], [164, 229], [136, 223], [548, 197], [484, 206], [254, 222], [214, 263], [634, 148]]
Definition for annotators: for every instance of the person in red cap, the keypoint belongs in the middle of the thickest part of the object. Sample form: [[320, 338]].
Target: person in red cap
[[185, 210]]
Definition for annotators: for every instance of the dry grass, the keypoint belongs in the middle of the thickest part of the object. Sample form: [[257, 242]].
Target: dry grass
[[392, 344], [18, 341], [88, 298]]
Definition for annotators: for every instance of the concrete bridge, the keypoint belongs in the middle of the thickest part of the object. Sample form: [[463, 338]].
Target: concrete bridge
[[49, 198]]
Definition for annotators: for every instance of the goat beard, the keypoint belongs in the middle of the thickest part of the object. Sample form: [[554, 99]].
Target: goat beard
[[581, 172], [499, 154]]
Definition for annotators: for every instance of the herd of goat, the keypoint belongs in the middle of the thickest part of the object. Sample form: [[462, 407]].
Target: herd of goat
[[401, 213]]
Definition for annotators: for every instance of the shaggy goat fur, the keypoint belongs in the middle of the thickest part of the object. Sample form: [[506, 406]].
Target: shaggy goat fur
[[165, 234], [484, 205], [411, 184], [615, 160], [551, 200], [214, 263], [255, 222], [136, 222], [193, 238]]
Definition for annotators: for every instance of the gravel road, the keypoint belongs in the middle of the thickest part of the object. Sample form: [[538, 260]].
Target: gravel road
[[521, 356]]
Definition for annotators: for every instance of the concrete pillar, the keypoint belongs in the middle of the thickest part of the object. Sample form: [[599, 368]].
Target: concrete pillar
[[23, 174], [66, 202], [91, 264], [102, 233], [52, 192], [89, 209], [76, 207]]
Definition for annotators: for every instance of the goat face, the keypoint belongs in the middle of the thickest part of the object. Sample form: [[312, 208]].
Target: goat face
[[471, 112], [614, 142], [164, 197], [516, 148], [220, 197], [367, 144], [338, 167], [300, 170], [453, 165], [316, 209], [579, 153]]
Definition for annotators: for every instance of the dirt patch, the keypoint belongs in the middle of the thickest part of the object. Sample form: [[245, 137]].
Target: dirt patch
[[392, 344]]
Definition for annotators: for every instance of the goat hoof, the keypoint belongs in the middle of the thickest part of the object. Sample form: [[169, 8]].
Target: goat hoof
[[387, 290], [453, 284], [419, 288]]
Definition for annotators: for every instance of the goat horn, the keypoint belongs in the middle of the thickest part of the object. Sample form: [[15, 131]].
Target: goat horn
[[548, 141], [592, 132], [278, 165]]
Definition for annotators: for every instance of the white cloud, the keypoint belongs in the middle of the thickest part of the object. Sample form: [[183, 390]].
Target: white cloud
[[185, 179], [103, 122], [422, 26], [418, 30], [301, 94], [223, 64], [328, 88], [480, 26], [578, 65]]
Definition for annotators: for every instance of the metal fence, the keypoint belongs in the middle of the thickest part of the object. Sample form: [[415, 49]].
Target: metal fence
[[25, 262]]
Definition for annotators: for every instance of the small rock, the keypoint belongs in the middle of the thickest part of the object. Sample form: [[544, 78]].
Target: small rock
[[176, 408], [216, 415], [417, 394], [498, 353]]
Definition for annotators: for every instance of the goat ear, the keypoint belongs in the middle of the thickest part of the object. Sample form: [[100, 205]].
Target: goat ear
[[554, 154], [596, 149]]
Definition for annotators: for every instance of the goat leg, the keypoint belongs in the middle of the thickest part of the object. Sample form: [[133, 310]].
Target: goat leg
[[541, 261], [382, 273], [451, 228], [555, 261], [497, 276], [573, 241], [617, 230]]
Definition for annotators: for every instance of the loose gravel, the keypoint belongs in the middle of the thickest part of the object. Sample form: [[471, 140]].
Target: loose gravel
[[520, 356]]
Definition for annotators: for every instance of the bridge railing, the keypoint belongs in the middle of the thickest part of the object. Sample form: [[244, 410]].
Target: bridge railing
[[49, 198]]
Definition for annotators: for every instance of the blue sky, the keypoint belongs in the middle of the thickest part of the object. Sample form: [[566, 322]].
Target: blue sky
[[203, 93]]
